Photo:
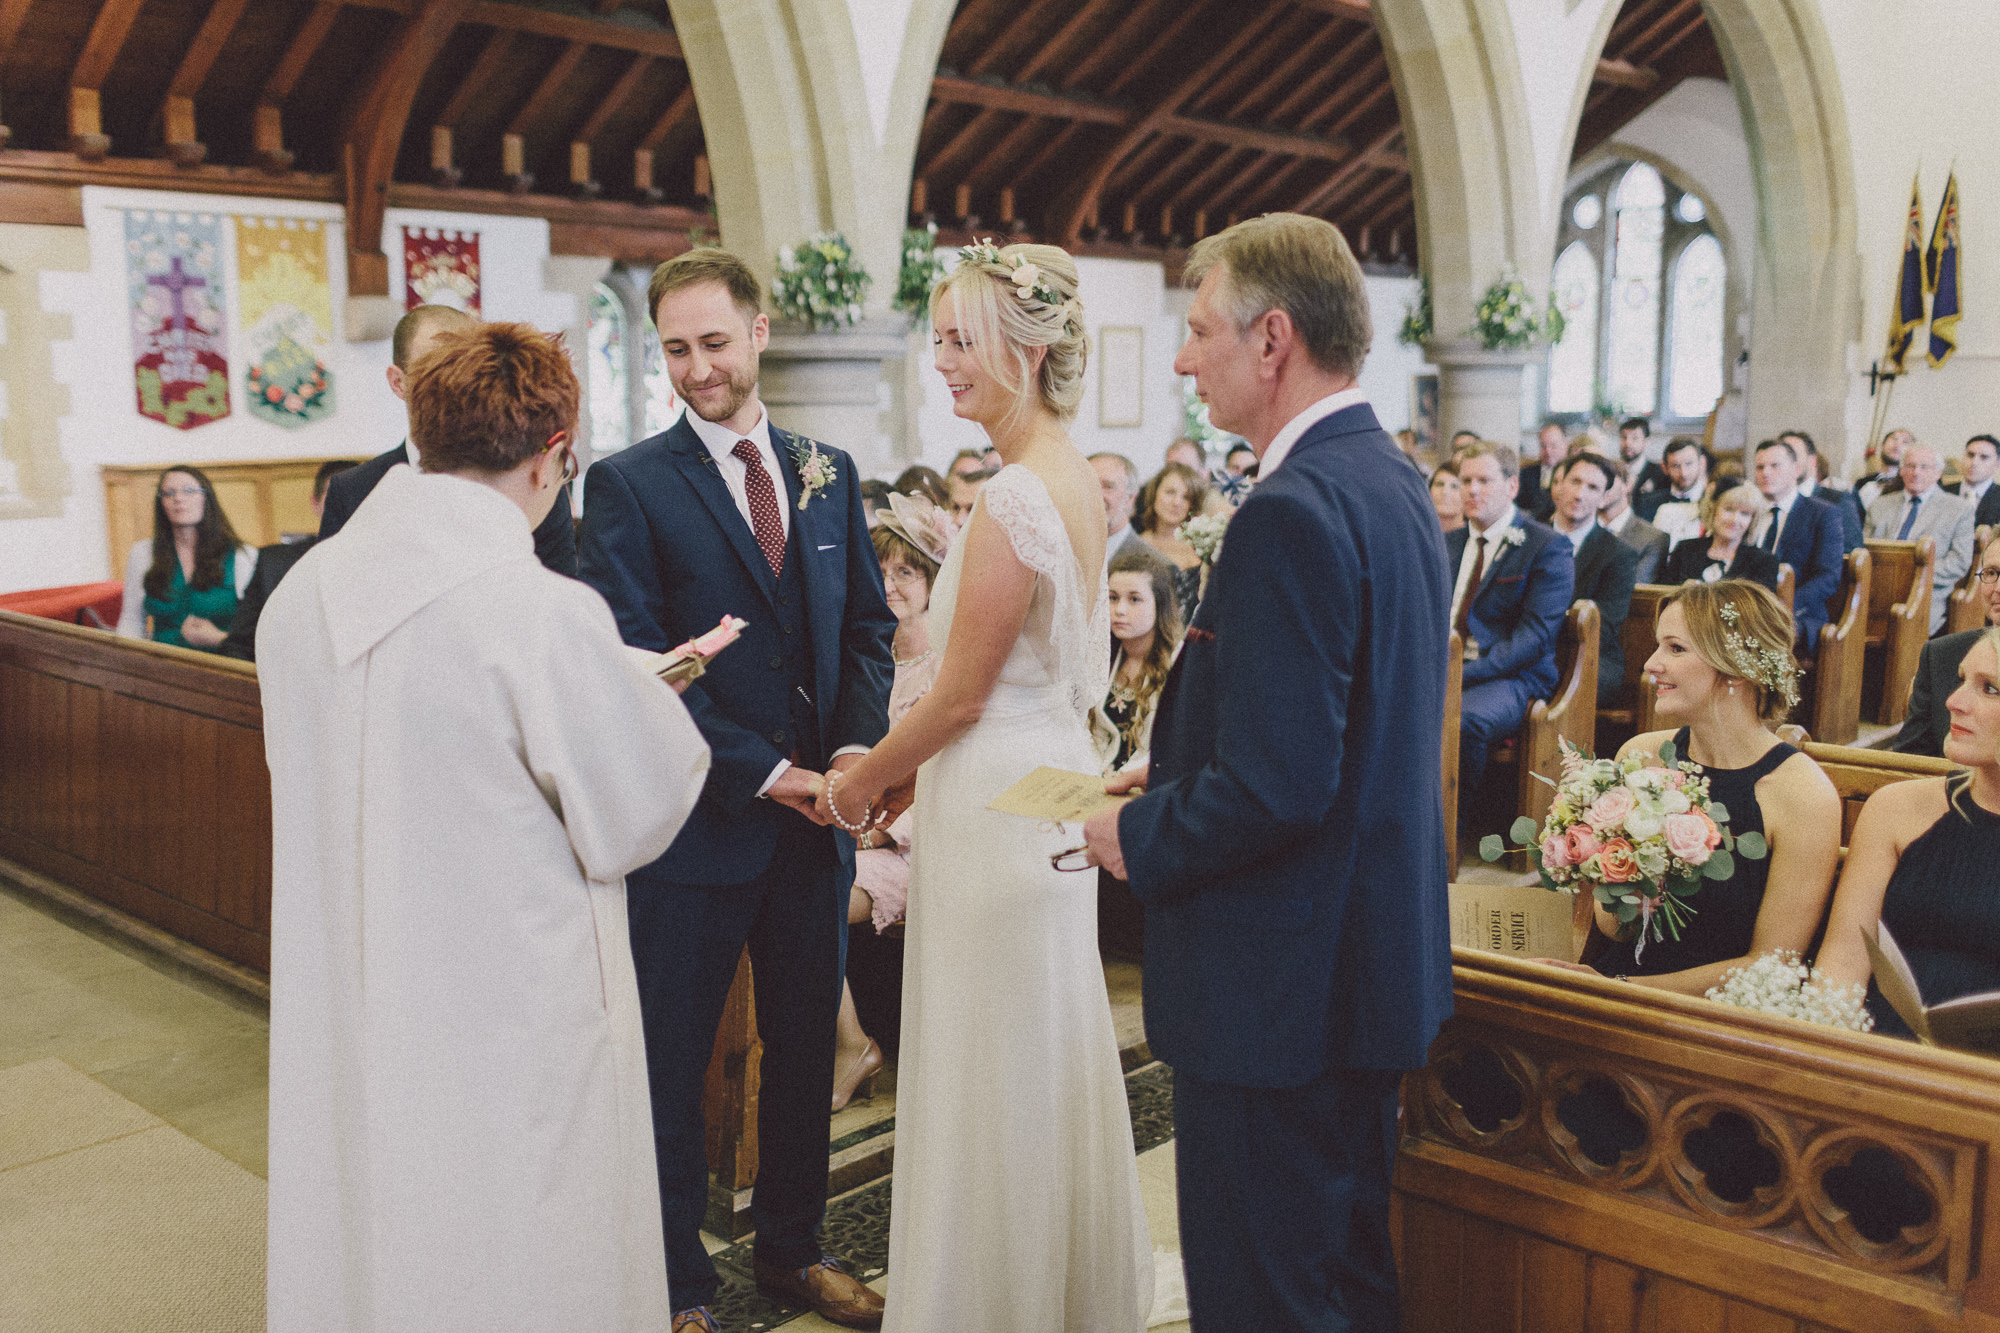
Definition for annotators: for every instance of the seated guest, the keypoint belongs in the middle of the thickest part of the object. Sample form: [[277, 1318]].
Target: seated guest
[[1725, 673], [964, 488], [1448, 498], [1724, 554], [273, 563], [1515, 578], [1676, 510], [1617, 517], [1166, 502], [1605, 566], [917, 479], [909, 531], [874, 497], [1145, 630], [1803, 533], [1926, 509], [1982, 459], [1241, 462], [1538, 476], [966, 463], [1647, 478], [1239, 475], [1929, 720], [1888, 461], [1813, 474], [1464, 439], [1406, 441], [1925, 860], [1189, 455], [188, 576]]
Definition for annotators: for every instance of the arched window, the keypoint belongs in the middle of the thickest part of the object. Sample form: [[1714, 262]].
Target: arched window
[[1573, 363], [1694, 334], [663, 405], [610, 413], [1632, 368]]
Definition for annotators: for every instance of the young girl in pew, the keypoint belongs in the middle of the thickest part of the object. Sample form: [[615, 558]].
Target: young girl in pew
[[1145, 630], [1724, 671], [1925, 861]]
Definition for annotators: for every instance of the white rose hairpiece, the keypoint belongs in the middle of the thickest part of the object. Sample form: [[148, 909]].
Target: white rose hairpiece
[[1772, 668], [1029, 284]]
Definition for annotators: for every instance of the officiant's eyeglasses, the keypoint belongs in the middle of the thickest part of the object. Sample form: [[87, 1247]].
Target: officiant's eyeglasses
[[1076, 858]]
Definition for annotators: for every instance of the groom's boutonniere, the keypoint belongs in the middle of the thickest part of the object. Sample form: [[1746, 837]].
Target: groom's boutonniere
[[815, 468]]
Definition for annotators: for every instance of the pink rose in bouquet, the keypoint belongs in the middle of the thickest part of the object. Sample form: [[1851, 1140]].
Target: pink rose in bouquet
[[1555, 852], [1581, 843], [1609, 810], [1692, 836], [1620, 862]]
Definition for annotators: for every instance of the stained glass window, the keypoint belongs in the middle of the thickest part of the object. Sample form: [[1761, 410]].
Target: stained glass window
[[1694, 342], [1632, 369], [1587, 212], [663, 405], [610, 415], [1573, 362]]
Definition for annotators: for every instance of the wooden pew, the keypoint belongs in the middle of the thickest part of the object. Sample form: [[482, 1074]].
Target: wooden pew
[[1570, 715], [1968, 603], [1899, 621], [1454, 692], [1858, 774], [1788, 584], [1504, 1222], [1830, 703]]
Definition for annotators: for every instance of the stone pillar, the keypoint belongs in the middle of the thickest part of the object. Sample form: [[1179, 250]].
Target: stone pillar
[[830, 386], [1480, 391]]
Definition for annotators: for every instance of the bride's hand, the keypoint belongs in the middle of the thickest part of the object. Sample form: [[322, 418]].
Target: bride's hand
[[855, 807]]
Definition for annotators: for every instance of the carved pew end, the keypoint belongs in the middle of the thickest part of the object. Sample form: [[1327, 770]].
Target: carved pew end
[[447, 177], [521, 182], [186, 155], [275, 161], [90, 147]]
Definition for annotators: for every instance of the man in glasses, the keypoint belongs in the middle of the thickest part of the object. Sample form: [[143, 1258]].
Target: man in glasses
[[416, 333], [1937, 670]]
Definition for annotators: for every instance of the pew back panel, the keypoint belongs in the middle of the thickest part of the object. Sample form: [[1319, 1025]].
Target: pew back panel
[[1968, 602], [1507, 1221], [1570, 716], [1899, 620], [1858, 774], [1831, 704]]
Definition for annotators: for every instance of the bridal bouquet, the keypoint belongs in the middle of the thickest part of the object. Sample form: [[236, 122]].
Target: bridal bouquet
[[1642, 838], [1778, 983]]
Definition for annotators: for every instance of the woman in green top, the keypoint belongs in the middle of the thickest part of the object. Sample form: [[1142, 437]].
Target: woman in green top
[[186, 578]]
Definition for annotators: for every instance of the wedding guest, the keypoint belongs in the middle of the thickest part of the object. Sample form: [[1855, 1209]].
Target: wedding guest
[[1606, 568], [1925, 860], [882, 855], [1538, 476], [1725, 674], [1982, 459], [1888, 459], [1645, 539], [1189, 455], [273, 563], [916, 479], [1241, 462], [874, 497], [465, 763], [1406, 441], [1813, 474], [1801, 532], [1464, 439], [1166, 502], [1448, 498], [1929, 719], [1676, 510], [187, 577], [1724, 554], [964, 488], [1145, 630], [1648, 478], [966, 463], [1925, 509]]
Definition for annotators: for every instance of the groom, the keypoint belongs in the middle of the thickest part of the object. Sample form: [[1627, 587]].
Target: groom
[[1290, 846], [717, 516]]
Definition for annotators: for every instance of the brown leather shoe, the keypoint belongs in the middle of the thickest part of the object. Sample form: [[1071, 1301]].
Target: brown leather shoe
[[825, 1290]]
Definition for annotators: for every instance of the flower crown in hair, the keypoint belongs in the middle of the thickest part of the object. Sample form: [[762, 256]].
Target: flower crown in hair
[[1028, 282], [1771, 668]]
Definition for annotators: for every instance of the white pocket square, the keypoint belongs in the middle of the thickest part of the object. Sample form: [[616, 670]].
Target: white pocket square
[[829, 547]]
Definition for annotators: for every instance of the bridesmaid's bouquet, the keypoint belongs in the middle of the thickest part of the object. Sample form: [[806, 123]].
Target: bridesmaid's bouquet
[[1641, 837]]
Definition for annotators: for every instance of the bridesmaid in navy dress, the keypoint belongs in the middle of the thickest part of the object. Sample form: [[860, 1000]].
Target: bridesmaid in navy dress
[[1724, 670], [1925, 860]]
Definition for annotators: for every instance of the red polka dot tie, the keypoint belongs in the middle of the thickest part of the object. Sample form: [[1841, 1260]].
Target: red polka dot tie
[[765, 520]]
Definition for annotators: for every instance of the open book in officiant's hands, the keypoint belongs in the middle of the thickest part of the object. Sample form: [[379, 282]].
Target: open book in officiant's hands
[[679, 666]]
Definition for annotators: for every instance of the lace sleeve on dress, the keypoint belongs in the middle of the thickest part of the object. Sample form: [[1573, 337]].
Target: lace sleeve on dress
[[1020, 503]]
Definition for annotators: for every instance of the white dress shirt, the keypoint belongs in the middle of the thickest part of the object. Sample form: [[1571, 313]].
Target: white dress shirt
[[1474, 539], [1973, 493], [1281, 443], [1111, 545], [1763, 524], [1582, 534]]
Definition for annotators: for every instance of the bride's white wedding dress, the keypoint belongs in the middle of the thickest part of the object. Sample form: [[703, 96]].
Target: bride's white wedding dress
[[1016, 1199]]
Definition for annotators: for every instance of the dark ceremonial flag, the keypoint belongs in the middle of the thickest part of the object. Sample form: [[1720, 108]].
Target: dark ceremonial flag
[[1909, 311], [1941, 276]]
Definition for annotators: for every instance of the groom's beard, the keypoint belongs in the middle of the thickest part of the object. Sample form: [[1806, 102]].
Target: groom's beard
[[734, 394]]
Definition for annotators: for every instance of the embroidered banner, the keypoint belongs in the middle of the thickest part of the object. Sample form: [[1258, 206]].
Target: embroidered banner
[[287, 315], [441, 268], [173, 282]]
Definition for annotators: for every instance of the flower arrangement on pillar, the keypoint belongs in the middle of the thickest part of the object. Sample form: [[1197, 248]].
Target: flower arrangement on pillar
[[921, 271], [1417, 319], [818, 283], [1506, 317]]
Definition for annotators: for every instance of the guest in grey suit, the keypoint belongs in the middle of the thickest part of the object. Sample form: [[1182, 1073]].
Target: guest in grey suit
[[1925, 509], [1635, 532], [1118, 481]]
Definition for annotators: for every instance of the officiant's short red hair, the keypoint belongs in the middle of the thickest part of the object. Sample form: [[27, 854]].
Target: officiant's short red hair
[[488, 399]]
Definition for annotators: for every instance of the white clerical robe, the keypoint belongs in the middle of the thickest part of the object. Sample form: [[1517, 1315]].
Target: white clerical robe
[[465, 762]]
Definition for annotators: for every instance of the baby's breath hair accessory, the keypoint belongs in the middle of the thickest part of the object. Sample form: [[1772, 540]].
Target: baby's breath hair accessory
[[1772, 668], [1029, 284]]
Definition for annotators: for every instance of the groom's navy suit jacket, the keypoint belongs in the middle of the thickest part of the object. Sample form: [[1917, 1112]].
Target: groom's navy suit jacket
[[664, 542], [1290, 850]]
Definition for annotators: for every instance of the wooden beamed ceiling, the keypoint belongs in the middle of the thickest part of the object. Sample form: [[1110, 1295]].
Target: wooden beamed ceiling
[[1138, 126]]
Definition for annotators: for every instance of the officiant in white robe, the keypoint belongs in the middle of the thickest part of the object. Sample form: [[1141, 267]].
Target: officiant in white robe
[[465, 762]]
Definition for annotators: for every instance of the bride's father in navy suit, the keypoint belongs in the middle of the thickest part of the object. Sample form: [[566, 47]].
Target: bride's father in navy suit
[[726, 514], [1290, 846]]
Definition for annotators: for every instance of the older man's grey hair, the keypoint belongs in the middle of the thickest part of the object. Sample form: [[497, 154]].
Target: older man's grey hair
[[1297, 264]]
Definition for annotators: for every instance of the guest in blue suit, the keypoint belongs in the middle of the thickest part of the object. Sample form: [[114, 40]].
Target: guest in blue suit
[[1513, 581], [1289, 850], [725, 514], [1802, 532]]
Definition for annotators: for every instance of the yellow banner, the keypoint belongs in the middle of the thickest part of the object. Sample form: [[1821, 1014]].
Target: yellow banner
[[287, 314]]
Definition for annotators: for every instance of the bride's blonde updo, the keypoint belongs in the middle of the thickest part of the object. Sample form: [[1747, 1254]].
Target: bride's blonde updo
[[1005, 320]]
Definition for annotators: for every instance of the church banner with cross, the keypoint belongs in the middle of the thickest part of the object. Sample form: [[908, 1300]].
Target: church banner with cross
[[174, 281], [441, 267], [287, 318]]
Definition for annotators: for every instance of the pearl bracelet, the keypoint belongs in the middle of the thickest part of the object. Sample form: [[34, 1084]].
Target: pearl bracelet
[[833, 807]]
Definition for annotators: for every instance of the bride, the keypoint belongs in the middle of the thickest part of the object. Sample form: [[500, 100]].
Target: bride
[[1016, 1199]]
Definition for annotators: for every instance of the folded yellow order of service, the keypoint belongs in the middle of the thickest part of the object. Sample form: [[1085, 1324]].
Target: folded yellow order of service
[[1058, 794]]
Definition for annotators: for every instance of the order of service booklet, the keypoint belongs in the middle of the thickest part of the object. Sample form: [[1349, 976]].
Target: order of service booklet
[[1058, 794], [1968, 1023], [1519, 921]]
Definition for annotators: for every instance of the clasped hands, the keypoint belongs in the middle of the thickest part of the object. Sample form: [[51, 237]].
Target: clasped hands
[[810, 794]]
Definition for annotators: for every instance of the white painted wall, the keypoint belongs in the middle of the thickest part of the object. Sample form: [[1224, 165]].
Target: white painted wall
[[104, 426]]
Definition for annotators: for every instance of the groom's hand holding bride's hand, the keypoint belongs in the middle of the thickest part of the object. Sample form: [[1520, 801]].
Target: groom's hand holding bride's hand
[[857, 804], [1100, 831], [800, 789]]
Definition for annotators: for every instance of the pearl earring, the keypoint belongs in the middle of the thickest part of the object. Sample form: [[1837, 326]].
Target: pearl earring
[[1732, 687]]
